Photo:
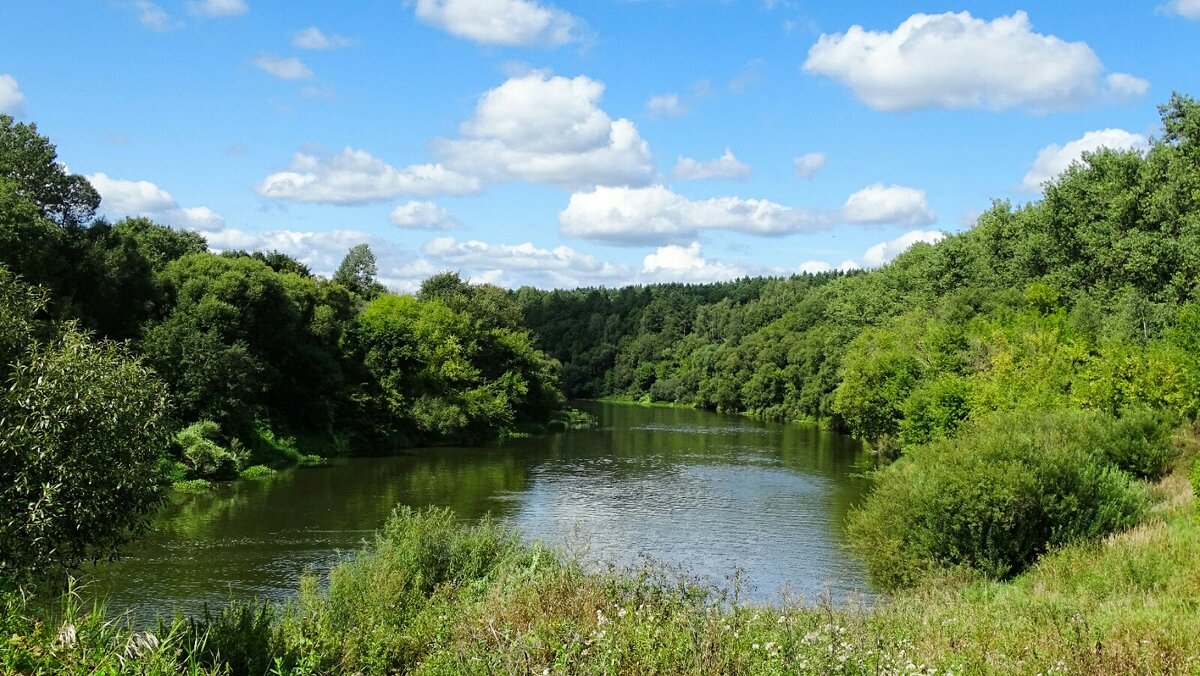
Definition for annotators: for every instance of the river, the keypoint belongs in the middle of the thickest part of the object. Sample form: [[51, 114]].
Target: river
[[710, 493]]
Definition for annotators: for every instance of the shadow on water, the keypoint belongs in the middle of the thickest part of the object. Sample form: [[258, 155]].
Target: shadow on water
[[712, 493]]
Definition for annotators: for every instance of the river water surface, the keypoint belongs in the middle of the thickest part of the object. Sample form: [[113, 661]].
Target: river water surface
[[712, 493]]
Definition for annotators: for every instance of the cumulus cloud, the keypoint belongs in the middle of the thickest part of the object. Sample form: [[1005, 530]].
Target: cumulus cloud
[[416, 215], [1124, 87], [12, 101], [289, 68], [958, 61], [894, 205], [1188, 9], [548, 129], [808, 164], [655, 214], [515, 264], [666, 105], [355, 177], [217, 8], [884, 252], [501, 22], [1055, 159], [152, 16], [685, 264], [314, 38], [725, 166], [120, 198]]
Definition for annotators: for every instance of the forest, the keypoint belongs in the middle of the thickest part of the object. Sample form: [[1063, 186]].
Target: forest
[[1029, 388]]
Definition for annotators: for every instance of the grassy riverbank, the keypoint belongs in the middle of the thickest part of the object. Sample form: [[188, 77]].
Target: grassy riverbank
[[432, 596]]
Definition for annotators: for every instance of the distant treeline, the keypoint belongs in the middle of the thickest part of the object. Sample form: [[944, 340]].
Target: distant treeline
[[1087, 298]]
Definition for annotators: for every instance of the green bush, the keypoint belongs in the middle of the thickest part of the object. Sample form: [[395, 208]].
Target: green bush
[[1194, 475], [1005, 490], [1139, 442], [258, 472], [192, 486], [205, 458], [383, 609]]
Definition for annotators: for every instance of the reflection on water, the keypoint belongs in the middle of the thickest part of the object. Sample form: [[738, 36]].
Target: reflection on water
[[709, 492]]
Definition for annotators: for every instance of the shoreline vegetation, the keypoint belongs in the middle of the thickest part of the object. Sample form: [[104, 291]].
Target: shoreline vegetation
[[1031, 387]]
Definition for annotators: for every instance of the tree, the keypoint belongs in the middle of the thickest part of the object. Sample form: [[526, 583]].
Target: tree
[[357, 272], [84, 429], [31, 161]]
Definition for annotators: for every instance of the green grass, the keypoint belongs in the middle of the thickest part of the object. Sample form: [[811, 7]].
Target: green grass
[[433, 596]]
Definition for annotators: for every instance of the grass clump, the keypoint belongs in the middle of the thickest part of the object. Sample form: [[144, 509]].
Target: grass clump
[[192, 486]]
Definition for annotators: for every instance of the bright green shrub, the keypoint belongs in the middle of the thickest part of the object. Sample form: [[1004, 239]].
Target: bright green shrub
[[258, 472], [205, 458], [1004, 491]]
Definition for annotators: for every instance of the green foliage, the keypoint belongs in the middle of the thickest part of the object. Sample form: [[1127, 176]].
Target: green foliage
[[192, 486], [1139, 442], [455, 374], [31, 162], [1007, 489], [84, 427], [204, 456], [357, 272], [242, 638]]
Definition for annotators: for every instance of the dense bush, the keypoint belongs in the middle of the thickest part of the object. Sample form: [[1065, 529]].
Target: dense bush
[[204, 456], [1005, 490], [83, 426]]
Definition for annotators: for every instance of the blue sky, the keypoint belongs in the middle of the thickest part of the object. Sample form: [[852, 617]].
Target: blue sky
[[585, 143]]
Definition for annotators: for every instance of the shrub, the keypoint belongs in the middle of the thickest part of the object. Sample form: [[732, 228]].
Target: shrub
[[384, 608], [1139, 442], [206, 458], [82, 429], [1194, 475], [192, 486], [258, 472], [1004, 491]]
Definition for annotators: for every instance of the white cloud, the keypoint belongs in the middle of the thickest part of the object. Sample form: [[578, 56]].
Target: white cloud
[[515, 264], [215, 8], [355, 177], [423, 216], [725, 166], [120, 198], [1125, 87], [685, 264], [666, 105], [1188, 9], [808, 164], [884, 252], [814, 267], [958, 61], [1054, 159], [894, 205], [656, 214], [548, 129], [12, 101], [313, 38], [501, 22], [152, 16], [289, 68]]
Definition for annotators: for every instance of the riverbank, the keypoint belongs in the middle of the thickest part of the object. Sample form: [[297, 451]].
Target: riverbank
[[433, 596]]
